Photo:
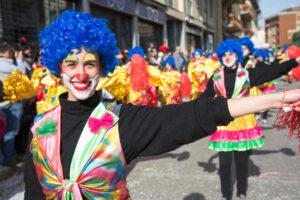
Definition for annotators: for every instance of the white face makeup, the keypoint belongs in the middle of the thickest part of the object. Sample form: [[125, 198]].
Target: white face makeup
[[80, 89], [245, 50], [168, 67], [197, 55], [80, 74], [229, 59]]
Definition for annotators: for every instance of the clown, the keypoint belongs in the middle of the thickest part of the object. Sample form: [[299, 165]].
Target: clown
[[80, 149], [134, 82], [170, 87], [248, 50], [243, 134], [197, 74]]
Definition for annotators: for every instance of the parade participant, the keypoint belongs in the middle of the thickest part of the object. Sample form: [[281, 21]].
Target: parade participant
[[170, 87], [80, 149], [248, 50], [236, 139], [197, 74], [134, 82]]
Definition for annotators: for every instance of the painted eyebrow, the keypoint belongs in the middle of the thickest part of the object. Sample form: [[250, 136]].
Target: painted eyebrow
[[71, 58]]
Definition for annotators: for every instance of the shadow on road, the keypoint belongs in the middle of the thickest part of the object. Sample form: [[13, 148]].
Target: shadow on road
[[194, 196], [179, 156], [285, 151]]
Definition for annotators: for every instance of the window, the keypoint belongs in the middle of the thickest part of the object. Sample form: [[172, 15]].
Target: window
[[205, 11], [189, 5], [198, 6], [211, 8], [169, 3]]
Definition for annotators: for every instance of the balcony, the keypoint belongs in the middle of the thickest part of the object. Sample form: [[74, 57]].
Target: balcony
[[234, 1], [246, 12], [234, 25]]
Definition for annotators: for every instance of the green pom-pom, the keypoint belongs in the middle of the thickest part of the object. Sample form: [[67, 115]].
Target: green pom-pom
[[217, 77], [47, 128]]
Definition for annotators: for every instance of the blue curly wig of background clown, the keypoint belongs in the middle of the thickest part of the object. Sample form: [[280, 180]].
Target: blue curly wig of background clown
[[261, 53], [136, 50], [74, 30], [270, 52], [208, 54], [248, 43], [230, 45], [197, 50], [170, 60]]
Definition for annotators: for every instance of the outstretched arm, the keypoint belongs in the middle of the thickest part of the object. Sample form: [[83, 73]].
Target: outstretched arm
[[265, 73], [243, 106]]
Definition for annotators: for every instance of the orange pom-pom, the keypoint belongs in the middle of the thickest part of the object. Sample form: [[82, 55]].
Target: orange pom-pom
[[185, 85], [139, 76]]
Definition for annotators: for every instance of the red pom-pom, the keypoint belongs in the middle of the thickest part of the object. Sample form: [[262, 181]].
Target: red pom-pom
[[185, 85], [293, 52], [296, 73], [139, 76]]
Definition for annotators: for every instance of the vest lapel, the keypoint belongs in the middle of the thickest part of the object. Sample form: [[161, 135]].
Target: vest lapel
[[220, 82], [47, 132]]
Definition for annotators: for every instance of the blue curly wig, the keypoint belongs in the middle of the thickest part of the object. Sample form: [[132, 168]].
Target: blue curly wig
[[248, 43], [74, 30], [230, 45], [270, 52], [197, 50], [136, 50], [208, 54], [169, 60], [261, 53]]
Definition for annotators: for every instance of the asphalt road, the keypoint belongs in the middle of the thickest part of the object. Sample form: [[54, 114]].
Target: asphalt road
[[191, 172]]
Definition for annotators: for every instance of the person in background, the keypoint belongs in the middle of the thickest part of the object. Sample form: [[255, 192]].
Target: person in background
[[234, 141], [13, 111], [150, 47], [178, 58], [164, 47], [185, 61]]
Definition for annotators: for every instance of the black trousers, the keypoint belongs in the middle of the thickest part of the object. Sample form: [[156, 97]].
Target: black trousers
[[241, 163], [264, 115]]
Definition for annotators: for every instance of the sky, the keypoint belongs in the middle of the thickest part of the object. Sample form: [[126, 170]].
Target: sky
[[272, 7]]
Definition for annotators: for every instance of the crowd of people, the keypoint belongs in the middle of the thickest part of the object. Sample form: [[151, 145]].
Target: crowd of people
[[99, 108]]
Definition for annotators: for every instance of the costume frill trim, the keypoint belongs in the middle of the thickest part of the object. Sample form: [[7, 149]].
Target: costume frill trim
[[236, 146], [271, 89], [236, 136]]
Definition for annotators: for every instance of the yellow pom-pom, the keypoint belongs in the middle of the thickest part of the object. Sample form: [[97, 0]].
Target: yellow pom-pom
[[17, 86]]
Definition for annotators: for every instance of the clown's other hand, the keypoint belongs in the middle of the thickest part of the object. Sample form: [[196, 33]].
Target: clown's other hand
[[288, 99]]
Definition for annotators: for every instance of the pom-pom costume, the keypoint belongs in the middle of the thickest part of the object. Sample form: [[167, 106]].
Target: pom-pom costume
[[170, 86], [197, 74], [47, 88], [243, 133], [135, 82], [80, 149], [268, 87]]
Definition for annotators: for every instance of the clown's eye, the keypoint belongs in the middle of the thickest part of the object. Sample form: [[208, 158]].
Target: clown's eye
[[92, 64], [71, 64]]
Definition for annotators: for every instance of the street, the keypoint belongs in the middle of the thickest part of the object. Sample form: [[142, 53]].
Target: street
[[191, 172]]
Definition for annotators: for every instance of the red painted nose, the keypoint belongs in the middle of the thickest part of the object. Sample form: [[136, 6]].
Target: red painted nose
[[81, 77], [227, 59]]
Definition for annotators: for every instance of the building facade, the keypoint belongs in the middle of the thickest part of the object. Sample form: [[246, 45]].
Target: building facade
[[186, 23], [279, 29]]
